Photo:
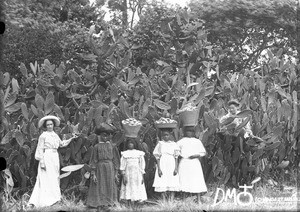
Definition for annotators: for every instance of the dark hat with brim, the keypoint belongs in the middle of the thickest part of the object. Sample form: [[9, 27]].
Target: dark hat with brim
[[189, 128], [105, 128], [166, 129], [233, 102]]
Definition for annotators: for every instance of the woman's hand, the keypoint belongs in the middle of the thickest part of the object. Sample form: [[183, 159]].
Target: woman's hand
[[159, 172], [194, 156], [94, 178], [175, 171], [74, 136], [117, 178], [43, 166], [124, 180]]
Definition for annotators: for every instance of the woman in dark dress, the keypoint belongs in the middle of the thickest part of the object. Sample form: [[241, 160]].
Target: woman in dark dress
[[105, 163]]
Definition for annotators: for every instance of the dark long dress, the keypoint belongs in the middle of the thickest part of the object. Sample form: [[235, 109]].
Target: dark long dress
[[106, 161]]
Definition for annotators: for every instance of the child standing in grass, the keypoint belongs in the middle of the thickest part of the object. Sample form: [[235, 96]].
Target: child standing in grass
[[166, 153], [132, 169], [105, 164], [190, 170]]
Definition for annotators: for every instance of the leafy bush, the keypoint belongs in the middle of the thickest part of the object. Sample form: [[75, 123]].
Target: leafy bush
[[111, 89]]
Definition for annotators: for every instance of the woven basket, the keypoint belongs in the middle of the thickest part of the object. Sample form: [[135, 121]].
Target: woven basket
[[131, 131], [189, 118], [166, 125]]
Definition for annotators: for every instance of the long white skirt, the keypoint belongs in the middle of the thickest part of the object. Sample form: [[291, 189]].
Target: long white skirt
[[46, 190], [134, 189], [191, 176], [167, 182]]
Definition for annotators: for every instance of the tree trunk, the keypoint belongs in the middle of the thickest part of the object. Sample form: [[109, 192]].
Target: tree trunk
[[124, 14]]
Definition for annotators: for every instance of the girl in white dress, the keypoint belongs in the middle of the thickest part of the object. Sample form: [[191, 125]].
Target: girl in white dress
[[190, 170], [166, 153], [46, 191], [132, 169]]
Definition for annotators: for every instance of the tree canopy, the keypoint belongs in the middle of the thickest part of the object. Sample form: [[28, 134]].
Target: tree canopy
[[56, 30], [244, 29]]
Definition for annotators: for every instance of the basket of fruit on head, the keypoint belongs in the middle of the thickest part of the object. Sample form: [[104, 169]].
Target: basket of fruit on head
[[165, 123], [131, 127], [188, 115]]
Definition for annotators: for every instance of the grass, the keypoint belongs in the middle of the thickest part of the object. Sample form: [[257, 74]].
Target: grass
[[188, 205]]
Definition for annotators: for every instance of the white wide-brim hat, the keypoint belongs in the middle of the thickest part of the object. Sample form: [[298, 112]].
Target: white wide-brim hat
[[50, 117]]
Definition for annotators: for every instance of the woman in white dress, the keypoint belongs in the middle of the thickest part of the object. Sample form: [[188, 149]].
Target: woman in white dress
[[166, 153], [190, 172], [233, 109], [133, 170], [46, 191]]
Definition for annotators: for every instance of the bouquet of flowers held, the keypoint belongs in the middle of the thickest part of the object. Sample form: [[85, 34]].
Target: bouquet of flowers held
[[166, 123], [131, 127], [188, 115]]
